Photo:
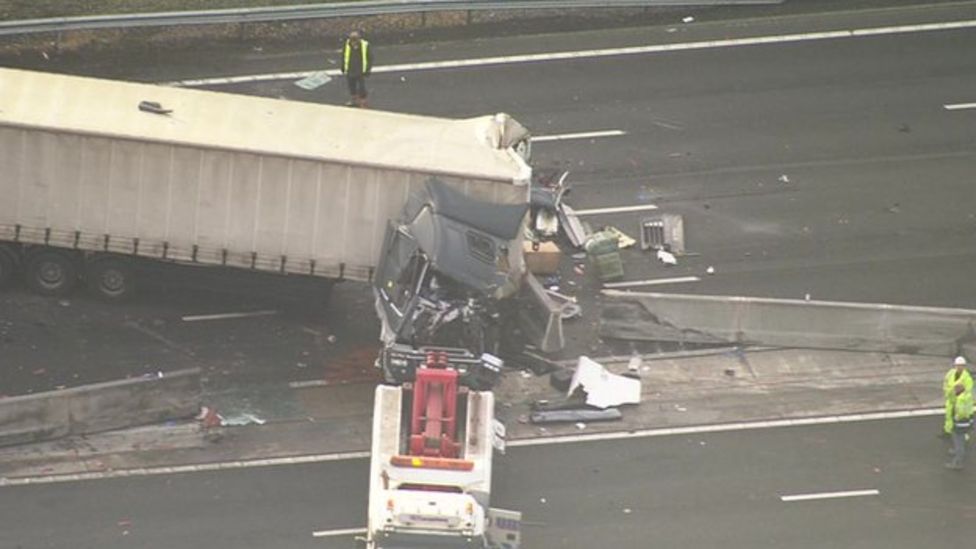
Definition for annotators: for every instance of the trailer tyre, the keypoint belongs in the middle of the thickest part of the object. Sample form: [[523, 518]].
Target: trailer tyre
[[111, 279], [8, 266], [51, 273]]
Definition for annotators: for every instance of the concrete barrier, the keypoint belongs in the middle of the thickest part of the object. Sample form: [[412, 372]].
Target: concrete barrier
[[787, 323], [99, 407]]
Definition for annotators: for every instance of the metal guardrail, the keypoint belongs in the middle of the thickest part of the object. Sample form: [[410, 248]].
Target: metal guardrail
[[325, 11]]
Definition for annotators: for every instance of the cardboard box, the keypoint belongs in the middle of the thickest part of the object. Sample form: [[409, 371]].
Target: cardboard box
[[543, 261]]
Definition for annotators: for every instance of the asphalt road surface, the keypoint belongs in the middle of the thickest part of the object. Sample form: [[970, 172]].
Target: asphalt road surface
[[826, 167], [734, 490], [876, 205]]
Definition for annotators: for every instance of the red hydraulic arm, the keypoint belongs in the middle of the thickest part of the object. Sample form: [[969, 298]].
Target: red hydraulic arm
[[433, 422]]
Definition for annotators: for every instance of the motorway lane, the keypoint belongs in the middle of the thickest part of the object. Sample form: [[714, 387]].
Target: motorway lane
[[50, 343], [708, 490], [878, 206], [878, 197]]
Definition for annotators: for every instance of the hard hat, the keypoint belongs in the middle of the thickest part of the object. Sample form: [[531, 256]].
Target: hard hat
[[960, 361]]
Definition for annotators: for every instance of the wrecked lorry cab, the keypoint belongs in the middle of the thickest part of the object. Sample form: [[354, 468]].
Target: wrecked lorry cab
[[448, 266]]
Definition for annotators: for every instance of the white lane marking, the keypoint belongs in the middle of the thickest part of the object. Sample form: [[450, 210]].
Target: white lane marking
[[587, 54], [652, 282], [725, 427], [580, 135], [616, 209], [339, 532], [176, 469], [541, 441], [960, 106], [830, 495], [224, 316]]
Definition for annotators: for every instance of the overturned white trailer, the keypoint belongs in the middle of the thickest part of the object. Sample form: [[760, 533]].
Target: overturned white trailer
[[100, 177]]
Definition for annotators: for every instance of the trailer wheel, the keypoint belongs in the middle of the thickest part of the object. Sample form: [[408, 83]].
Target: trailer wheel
[[51, 273], [8, 266], [111, 279]]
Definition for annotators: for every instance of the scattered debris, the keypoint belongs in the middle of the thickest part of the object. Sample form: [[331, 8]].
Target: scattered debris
[[154, 107], [541, 258], [603, 250], [561, 379], [241, 420], [667, 257], [634, 364], [575, 416], [569, 308], [665, 231], [208, 417], [623, 241], [314, 81], [602, 388], [537, 363]]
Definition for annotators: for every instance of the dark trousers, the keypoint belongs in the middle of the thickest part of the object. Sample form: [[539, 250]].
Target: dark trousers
[[357, 85]]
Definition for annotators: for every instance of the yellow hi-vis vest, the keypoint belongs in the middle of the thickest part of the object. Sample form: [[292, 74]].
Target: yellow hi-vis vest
[[347, 51], [950, 381]]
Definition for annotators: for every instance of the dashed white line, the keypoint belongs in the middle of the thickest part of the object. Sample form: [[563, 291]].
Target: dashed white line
[[580, 135], [960, 106], [652, 282], [224, 316], [830, 495], [587, 54], [541, 441], [339, 532], [616, 209]]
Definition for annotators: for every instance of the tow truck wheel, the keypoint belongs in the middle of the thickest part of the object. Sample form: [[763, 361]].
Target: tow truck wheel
[[111, 279], [51, 273]]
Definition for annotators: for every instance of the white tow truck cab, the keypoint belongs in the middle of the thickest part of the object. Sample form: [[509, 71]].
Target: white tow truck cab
[[430, 468]]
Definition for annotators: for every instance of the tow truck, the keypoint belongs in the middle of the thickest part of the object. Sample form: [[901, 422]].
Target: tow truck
[[431, 464]]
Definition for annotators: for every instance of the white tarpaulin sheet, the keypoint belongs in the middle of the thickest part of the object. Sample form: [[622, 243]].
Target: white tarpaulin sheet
[[314, 80], [603, 389]]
